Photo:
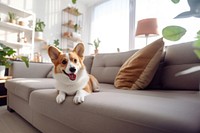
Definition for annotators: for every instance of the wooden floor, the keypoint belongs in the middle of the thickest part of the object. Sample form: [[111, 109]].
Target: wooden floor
[[13, 123]]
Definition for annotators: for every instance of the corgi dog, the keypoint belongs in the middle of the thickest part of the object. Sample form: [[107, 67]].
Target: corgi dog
[[71, 75]]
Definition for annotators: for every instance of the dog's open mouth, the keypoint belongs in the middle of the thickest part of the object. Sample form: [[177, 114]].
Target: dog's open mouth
[[71, 76]]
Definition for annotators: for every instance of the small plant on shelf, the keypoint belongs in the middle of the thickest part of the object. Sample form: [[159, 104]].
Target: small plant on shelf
[[12, 17], [39, 26]]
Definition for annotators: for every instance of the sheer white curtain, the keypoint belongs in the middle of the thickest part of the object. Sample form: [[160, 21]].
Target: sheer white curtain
[[165, 11], [110, 23]]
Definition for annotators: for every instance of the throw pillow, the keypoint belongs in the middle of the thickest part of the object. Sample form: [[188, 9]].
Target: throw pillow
[[138, 71]]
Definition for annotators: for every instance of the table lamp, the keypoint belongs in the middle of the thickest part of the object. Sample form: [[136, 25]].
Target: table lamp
[[146, 28]]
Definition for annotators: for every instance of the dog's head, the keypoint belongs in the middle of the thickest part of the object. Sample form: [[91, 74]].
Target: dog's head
[[67, 64]]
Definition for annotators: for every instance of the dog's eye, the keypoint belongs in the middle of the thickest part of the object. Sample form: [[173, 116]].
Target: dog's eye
[[64, 62], [75, 60]]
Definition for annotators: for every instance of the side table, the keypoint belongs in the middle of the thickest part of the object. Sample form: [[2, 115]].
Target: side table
[[3, 90]]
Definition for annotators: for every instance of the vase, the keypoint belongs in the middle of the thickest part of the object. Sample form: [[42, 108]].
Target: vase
[[2, 71]]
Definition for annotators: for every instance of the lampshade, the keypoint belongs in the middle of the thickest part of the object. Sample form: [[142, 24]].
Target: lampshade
[[147, 27]]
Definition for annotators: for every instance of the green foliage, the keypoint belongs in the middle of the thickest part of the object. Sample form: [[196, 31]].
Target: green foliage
[[175, 1], [74, 1], [76, 27], [25, 60], [173, 33], [6, 53], [197, 45], [12, 16], [95, 43], [39, 26], [56, 42]]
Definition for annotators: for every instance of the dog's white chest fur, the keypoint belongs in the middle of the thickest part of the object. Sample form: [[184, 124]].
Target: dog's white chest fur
[[71, 87]]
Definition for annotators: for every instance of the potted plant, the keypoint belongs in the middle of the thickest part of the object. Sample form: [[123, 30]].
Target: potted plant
[[39, 28], [5, 62], [12, 17], [96, 43]]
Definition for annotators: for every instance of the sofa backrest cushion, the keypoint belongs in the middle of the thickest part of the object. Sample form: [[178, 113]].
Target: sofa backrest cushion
[[138, 71], [106, 66], [88, 63], [35, 70], [181, 70]]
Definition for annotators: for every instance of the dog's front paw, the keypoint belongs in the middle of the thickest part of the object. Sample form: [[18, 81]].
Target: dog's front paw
[[60, 98], [80, 96], [78, 99]]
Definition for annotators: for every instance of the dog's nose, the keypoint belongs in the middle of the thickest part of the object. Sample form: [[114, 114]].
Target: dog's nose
[[72, 69]]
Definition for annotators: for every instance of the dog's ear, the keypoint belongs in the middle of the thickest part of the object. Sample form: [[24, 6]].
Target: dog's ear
[[53, 53], [79, 49]]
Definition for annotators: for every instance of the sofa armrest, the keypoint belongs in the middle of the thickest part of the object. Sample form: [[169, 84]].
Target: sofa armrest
[[35, 70]]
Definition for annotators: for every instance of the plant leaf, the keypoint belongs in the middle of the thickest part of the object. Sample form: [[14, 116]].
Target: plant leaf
[[74, 1], [197, 43], [175, 1], [197, 52], [173, 33], [198, 33], [25, 60]]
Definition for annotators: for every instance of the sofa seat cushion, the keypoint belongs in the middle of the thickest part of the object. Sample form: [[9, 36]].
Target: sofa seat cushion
[[113, 110], [22, 87]]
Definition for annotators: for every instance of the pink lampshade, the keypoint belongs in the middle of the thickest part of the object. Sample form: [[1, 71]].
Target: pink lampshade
[[147, 27]]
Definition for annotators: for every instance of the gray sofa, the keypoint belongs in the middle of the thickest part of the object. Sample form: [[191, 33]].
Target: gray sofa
[[170, 104]]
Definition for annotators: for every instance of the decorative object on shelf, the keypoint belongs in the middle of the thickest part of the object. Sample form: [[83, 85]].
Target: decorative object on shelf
[[39, 28], [147, 28], [12, 17], [73, 10], [21, 37], [5, 58], [95, 43], [37, 57], [21, 23]]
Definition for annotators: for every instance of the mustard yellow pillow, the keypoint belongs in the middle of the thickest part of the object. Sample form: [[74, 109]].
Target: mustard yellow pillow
[[138, 71]]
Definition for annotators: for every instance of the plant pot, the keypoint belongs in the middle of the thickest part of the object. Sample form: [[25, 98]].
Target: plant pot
[[2, 71], [13, 21], [39, 35]]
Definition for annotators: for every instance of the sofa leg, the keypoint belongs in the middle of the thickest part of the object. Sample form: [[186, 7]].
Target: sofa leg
[[10, 109]]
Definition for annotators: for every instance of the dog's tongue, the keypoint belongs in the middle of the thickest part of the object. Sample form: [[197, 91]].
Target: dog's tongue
[[72, 76]]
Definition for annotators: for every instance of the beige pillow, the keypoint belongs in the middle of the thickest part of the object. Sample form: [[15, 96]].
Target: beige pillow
[[138, 71]]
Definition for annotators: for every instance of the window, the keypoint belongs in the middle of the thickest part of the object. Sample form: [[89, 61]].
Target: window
[[110, 24], [165, 11]]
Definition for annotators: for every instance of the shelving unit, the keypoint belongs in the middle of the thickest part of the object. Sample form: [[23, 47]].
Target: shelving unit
[[19, 37], [72, 21]]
